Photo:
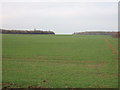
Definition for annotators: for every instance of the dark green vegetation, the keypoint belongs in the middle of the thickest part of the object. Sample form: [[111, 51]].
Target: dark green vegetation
[[25, 32], [62, 61]]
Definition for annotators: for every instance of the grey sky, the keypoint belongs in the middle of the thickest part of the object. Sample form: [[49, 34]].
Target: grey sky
[[61, 17]]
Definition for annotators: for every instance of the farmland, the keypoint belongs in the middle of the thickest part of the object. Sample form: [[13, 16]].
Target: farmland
[[59, 61]]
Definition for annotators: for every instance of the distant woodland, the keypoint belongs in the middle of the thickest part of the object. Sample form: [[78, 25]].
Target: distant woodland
[[3, 31], [113, 34]]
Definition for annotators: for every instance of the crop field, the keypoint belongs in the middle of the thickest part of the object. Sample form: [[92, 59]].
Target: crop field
[[59, 61]]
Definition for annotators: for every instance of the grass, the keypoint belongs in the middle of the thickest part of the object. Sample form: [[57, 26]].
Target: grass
[[59, 61]]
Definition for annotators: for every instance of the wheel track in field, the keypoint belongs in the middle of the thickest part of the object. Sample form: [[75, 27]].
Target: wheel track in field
[[114, 51]]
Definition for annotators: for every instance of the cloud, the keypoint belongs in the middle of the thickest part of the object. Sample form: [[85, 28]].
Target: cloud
[[62, 17], [59, 0]]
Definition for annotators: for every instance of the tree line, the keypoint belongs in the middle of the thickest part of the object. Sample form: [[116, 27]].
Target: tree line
[[113, 34], [96, 33], [3, 31]]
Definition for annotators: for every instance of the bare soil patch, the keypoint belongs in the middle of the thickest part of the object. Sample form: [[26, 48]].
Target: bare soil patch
[[114, 51], [95, 65]]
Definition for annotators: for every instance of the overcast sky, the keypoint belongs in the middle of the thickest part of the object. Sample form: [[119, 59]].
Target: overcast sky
[[60, 17]]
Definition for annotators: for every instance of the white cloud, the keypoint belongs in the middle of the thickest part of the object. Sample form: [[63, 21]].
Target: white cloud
[[60, 0], [62, 17]]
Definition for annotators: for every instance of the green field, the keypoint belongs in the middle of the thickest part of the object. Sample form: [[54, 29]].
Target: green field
[[60, 61]]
